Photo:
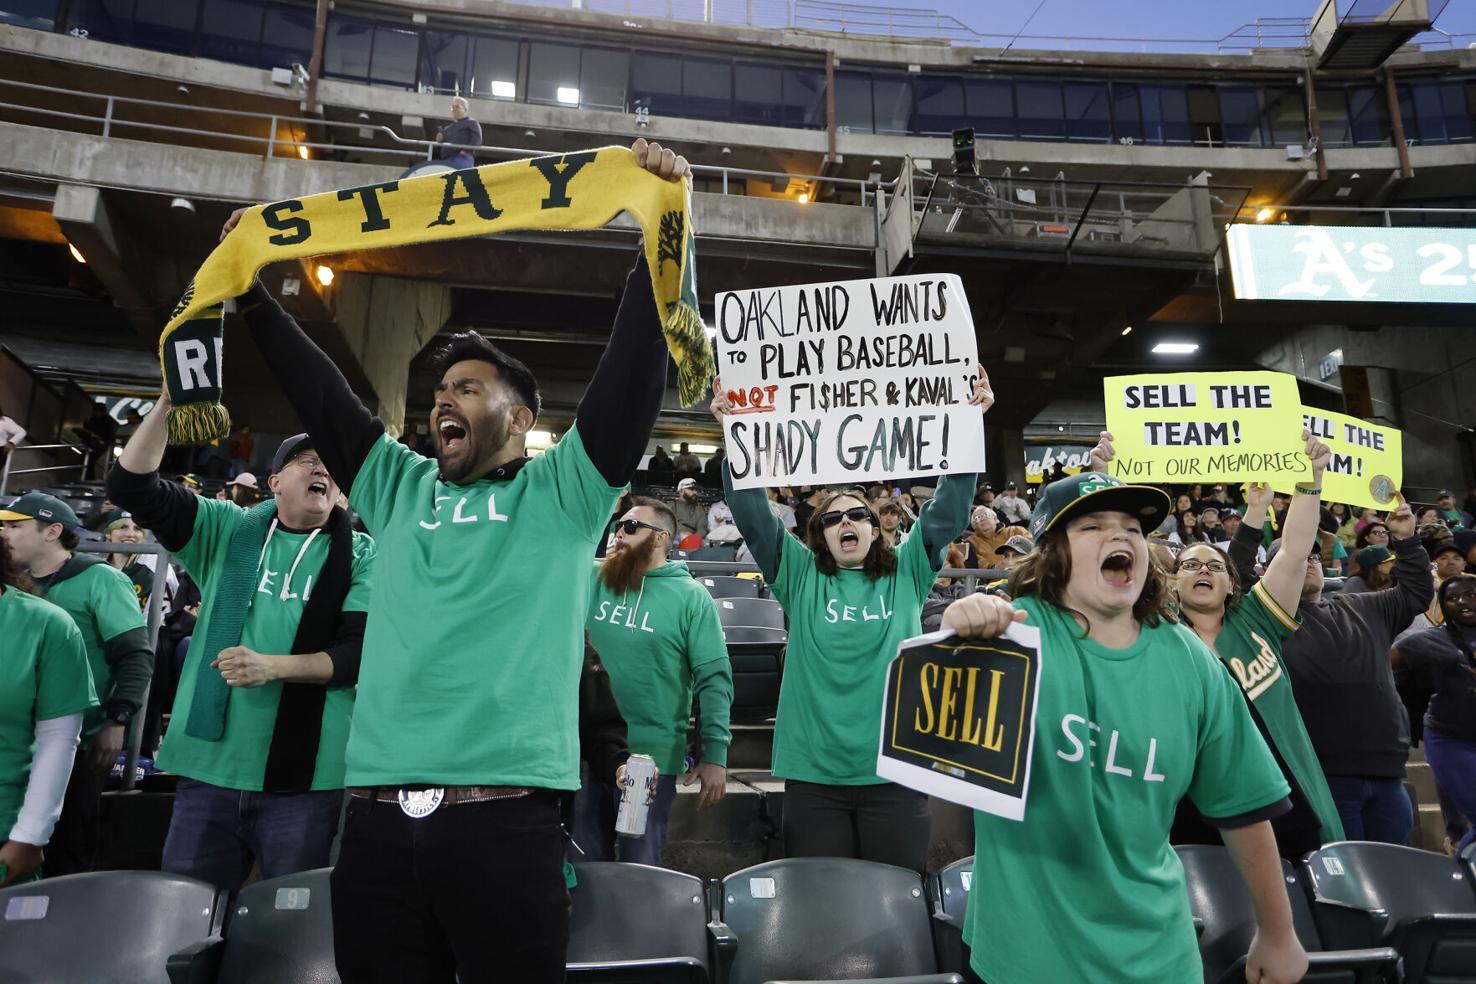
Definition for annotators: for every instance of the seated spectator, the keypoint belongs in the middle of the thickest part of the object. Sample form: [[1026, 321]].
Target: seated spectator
[[1209, 525], [243, 490], [687, 465], [1447, 562], [1375, 570], [784, 509], [1429, 514], [660, 463], [691, 515], [712, 472], [1453, 517], [719, 514], [1374, 533], [243, 446], [118, 527], [11, 434], [1466, 540], [889, 515], [1014, 510], [1186, 530], [1345, 518], [985, 496], [986, 536], [1012, 551]]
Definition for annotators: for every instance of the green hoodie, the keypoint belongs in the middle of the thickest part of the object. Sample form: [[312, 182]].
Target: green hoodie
[[660, 644]]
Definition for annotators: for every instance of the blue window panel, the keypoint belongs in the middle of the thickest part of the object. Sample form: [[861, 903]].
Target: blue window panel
[[804, 98], [940, 105], [758, 94], [891, 101], [443, 61], [1088, 112], [347, 46], [1368, 116], [604, 74], [552, 67], [852, 102], [495, 62], [39, 15], [990, 104], [165, 25], [1127, 113], [1042, 114], [1240, 116], [286, 36]]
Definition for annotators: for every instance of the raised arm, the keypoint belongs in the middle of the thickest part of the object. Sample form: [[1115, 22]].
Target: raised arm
[[762, 530], [948, 515], [620, 407], [1246, 543], [164, 508], [1284, 575], [1414, 584]]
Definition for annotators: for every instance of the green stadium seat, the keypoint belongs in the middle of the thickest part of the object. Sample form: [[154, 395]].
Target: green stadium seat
[[106, 927], [1226, 922], [826, 919], [1421, 904], [643, 925]]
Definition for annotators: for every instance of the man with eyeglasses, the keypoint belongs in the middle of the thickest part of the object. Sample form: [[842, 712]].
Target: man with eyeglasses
[[658, 635], [261, 715], [1338, 662]]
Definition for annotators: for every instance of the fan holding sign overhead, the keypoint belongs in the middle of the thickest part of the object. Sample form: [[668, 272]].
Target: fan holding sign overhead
[[850, 597]]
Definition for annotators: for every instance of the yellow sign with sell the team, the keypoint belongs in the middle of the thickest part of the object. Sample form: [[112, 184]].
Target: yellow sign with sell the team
[[1367, 465], [1206, 427]]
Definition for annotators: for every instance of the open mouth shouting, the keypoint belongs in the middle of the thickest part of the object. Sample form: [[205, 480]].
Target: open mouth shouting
[[849, 542], [1117, 569], [452, 432], [318, 488]]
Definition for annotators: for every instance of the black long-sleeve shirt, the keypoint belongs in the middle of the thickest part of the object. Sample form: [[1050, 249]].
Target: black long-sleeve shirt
[[1339, 664], [615, 417]]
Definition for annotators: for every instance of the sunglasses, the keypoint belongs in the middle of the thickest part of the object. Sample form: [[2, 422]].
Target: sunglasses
[[856, 514], [632, 526]]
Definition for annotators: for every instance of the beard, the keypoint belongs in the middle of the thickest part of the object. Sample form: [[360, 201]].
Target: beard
[[481, 439], [625, 567]]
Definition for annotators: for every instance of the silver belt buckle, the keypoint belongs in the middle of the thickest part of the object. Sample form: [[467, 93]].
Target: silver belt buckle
[[419, 803]]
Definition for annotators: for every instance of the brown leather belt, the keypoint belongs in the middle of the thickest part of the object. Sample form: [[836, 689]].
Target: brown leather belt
[[419, 801]]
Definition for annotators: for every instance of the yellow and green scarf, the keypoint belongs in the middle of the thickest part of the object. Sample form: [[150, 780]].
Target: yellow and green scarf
[[570, 191]]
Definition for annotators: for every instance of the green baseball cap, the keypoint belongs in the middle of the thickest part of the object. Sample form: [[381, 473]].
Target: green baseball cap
[[1097, 492], [39, 505]]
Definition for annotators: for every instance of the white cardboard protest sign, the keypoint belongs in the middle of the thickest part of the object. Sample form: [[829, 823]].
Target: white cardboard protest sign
[[958, 718], [848, 382]]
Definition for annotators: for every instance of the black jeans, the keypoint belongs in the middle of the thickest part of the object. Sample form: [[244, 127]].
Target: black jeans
[[887, 823], [74, 842], [473, 892]]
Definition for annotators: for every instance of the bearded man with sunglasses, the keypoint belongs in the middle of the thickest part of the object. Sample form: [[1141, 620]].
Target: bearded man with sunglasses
[[659, 638]]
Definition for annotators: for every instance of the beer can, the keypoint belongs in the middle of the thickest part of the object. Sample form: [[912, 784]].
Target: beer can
[[636, 793]]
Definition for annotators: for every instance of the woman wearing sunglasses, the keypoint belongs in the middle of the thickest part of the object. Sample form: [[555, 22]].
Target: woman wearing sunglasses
[[850, 600], [1246, 630]]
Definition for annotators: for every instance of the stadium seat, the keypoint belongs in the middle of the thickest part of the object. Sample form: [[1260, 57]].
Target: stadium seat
[[760, 612], [643, 925], [732, 587], [278, 931], [103, 927], [1223, 915], [1421, 904], [949, 894], [757, 655], [718, 552], [825, 919]]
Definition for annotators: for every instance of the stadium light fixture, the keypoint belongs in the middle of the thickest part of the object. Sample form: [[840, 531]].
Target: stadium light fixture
[[702, 448], [302, 152], [502, 89], [77, 254], [539, 439], [1128, 330], [1176, 348], [1266, 214], [568, 95], [804, 198], [324, 275]]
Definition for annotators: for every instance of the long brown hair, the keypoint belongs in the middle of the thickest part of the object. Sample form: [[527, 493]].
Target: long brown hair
[[1235, 586], [880, 559], [1047, 570]]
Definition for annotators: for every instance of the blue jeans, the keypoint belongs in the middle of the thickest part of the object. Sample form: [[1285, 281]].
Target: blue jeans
[[595, 807], [215, 833], [1372, 809], [1453, 760]]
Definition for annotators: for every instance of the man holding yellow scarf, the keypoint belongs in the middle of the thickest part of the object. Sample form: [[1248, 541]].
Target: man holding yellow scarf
[[463, 754]]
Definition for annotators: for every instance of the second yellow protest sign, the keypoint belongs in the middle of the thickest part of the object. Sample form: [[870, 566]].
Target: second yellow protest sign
[[1206, 427], [1367, 465]]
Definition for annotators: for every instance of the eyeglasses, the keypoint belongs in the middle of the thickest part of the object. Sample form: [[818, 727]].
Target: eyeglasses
[[856, 514], [1378, 531], [631, 526], [308, 461], [1213, 566]]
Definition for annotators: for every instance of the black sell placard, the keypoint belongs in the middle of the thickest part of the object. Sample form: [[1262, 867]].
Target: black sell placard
[[958, 720]]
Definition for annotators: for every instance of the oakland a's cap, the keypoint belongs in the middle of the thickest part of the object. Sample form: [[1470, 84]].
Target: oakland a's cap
[[1097, 492], [38, 505]]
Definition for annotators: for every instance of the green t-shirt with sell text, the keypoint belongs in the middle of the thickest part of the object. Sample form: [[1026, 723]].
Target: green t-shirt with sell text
[[101, 600], [1086, 887], [650, 642], [844, 628], [472, 654], [44, 674], [1249, 644], [238, 760]]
